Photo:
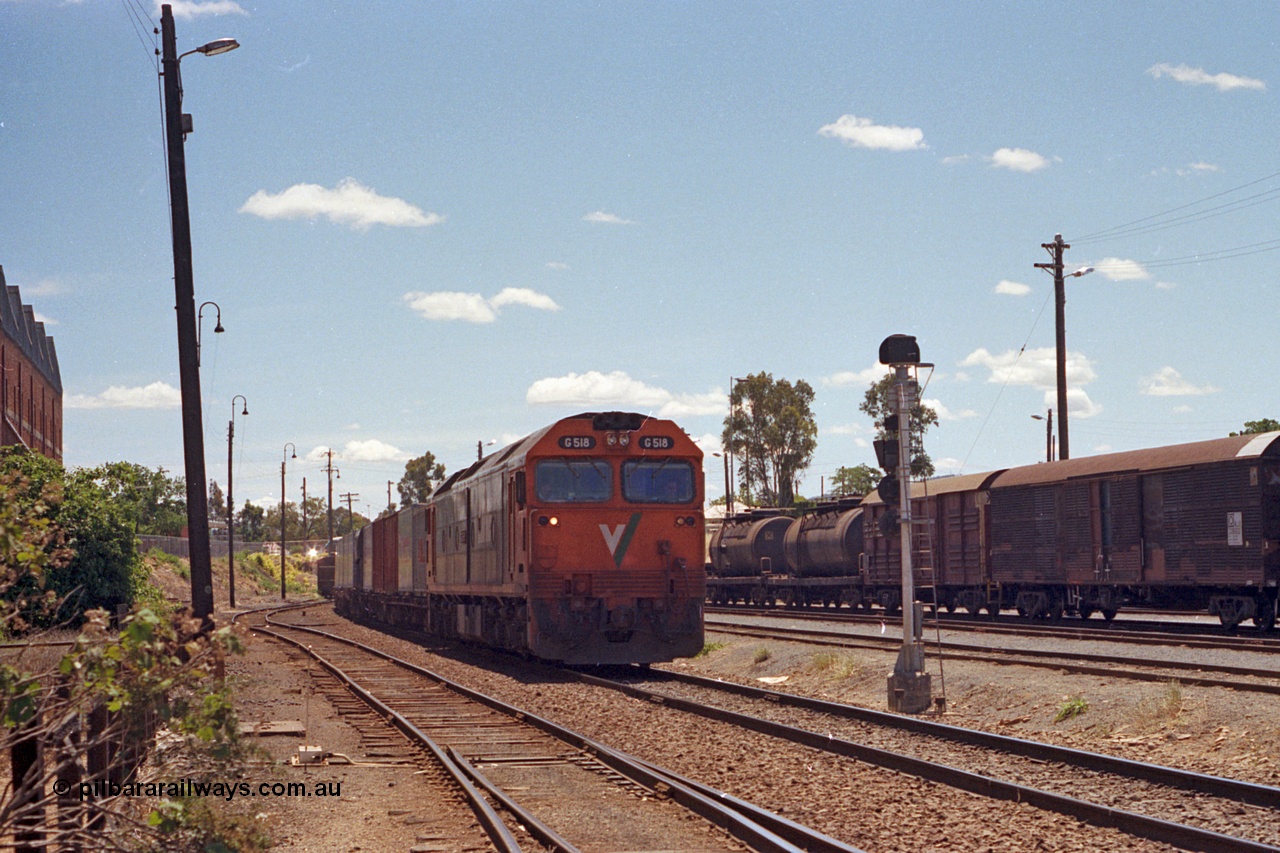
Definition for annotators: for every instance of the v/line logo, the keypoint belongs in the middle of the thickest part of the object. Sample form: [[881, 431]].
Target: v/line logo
[[618, 537]]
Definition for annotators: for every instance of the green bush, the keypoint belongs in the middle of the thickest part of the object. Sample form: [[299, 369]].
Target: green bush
[[103, 567]]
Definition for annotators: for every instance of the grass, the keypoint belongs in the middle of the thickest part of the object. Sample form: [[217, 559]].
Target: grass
[[762, 654], [264, 571], [708, 648], [841, 665], [180, 567], [1074, 706]]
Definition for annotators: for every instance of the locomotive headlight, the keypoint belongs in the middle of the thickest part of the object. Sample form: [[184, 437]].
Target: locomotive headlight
[[690, 520], [545, 520], [679, 521], [554, 521], [611, 439], [624, 439]]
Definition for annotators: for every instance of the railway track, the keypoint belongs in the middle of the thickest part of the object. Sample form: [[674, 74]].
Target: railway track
[[1264, 680], [1190, 635], [1157, 804], [523, 773], [1190, 810]]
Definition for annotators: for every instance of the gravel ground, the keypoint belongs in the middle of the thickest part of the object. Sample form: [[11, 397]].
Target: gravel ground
[[874, 809]]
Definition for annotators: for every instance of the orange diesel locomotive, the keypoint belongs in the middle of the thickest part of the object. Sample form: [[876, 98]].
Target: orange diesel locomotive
[[581, 543]]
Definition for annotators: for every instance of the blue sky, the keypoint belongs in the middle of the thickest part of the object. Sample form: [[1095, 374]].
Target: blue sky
[[432, 224]]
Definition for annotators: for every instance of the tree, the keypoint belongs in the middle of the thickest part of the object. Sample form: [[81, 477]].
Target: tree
[[421, 476], [155, 503], [252, 524], [878, 403], [771, 429], [1263, 425], [217, 500], [858, 480]]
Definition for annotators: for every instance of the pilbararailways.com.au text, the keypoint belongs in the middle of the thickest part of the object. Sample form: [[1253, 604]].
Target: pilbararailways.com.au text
[[228, 791]]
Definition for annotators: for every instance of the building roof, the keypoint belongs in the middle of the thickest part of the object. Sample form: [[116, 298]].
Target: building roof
[[18, 323]]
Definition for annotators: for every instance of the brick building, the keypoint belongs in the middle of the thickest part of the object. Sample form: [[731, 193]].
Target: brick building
[[30, 384]]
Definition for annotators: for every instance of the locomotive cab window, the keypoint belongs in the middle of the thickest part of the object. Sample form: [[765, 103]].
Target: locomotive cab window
[[573, 481], [658, 481]]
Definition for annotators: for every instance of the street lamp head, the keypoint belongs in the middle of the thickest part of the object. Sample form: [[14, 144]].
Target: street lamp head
[[1080, 272], [218, 46], [1038, 417]]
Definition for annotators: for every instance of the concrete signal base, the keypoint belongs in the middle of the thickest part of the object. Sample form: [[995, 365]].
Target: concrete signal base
[[910, 692]]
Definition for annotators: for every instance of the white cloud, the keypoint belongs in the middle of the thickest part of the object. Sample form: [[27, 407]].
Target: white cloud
[[40, 318], [191, 9], [945, 414], [606, 218], [846, 429], [709, 442], [1223, 82], [1018, 160], [349, 203], [1037, 368], [863, 133], [44, 287], [843, 378], [557, 265], [1203, 167], [157, 395], [1122, 269], [1183, 409], [368, 450], [594, 388], [472, 307], [1011, 288], [1168, 382], [955, 158], [523, 296]]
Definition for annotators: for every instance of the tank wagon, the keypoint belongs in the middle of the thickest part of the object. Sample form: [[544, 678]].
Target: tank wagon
[[581, 543], [1190, 526]]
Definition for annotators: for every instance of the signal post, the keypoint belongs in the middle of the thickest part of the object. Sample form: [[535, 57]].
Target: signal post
[[910, 688]]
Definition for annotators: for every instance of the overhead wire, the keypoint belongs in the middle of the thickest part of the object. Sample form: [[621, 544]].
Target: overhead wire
[[1008, 376], [1121, 230]]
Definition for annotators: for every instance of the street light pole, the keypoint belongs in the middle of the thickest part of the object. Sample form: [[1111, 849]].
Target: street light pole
[[1048, 434], [283, 461], [185, 306], [231, 504]]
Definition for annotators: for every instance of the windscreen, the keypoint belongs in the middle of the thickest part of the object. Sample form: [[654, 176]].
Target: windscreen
[[657, 481], [573, 481]]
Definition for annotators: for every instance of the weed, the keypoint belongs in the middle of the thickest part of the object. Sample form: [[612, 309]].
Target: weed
[[823, 661], [1074, 706], [762, 654], [710, 647]]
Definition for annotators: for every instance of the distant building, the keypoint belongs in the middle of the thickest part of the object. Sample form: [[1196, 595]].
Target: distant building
[[30, 384]]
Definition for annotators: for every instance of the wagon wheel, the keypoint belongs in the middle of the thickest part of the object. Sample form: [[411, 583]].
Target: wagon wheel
[[1085, 610], [1264, 618], [1109, 613]]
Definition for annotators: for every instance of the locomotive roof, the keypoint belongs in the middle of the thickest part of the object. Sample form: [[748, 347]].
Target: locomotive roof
[[941, 486], [1250, 446], [522, 445]]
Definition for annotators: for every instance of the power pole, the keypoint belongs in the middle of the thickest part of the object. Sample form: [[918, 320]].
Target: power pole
[[304, 510], [351, 518], [1055, 250], [330, 471], [389, 482]]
